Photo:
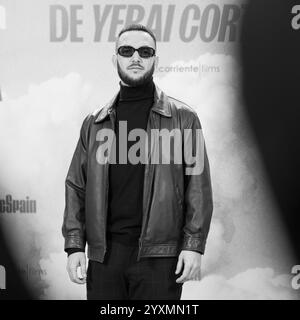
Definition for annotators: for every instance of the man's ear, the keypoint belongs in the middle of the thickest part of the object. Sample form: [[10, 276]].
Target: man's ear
[[114, 60]]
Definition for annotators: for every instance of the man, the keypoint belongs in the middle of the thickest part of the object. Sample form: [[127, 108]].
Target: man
[[145, 223]]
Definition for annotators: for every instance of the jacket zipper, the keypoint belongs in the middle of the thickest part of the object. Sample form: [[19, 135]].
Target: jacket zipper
[[144, 214], [112, 119], [106, 207], [140, 247], [143, 224], [146, 176]]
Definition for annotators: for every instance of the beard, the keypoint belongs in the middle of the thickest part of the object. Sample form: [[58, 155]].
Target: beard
[[135, 82]]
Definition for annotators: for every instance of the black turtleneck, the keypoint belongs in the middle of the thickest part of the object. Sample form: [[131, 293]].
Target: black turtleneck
[[126, 180]]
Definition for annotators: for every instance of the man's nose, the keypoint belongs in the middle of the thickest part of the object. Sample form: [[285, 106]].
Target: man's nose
[[136, 56]]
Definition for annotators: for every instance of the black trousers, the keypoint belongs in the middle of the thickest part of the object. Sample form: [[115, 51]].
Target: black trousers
[[122, 277]]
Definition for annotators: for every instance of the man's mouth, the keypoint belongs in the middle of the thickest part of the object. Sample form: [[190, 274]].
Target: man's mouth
[[135, 67]]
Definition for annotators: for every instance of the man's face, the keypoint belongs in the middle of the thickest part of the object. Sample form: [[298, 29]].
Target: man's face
[[134, 70]]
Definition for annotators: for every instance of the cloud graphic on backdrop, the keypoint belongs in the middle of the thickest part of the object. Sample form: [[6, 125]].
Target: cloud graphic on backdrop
[[41, 131], [246, 238], [252, 284]]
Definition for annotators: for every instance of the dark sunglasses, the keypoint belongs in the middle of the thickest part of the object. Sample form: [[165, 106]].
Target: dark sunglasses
[[128, 51]]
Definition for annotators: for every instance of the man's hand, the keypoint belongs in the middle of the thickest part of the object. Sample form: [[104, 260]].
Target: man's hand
[[76, 260], [192, 266]]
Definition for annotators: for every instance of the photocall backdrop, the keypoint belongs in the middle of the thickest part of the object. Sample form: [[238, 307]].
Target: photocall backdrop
[[55, 62]]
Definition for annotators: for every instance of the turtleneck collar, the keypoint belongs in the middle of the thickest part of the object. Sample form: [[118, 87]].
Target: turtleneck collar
[[136, 93]]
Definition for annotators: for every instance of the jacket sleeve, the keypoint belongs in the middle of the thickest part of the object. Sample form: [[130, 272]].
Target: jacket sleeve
[[198, 199], [73, 228]]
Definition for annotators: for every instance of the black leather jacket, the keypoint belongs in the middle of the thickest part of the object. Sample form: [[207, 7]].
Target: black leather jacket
[[177, 208]]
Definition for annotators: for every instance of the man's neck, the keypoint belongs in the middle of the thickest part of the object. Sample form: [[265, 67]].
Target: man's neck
[[142, 91]]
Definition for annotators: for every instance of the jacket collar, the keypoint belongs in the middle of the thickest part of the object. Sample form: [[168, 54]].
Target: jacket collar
[[160, 105]]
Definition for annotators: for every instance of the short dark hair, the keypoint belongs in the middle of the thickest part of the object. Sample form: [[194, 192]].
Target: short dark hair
[[136, 27]]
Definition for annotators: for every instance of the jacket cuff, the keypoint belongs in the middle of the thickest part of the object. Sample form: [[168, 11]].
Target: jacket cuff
[[74, 242], [70, 251], [193, 244]]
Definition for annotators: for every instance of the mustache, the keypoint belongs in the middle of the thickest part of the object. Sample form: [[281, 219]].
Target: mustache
[[135, 66], [127, 79]]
